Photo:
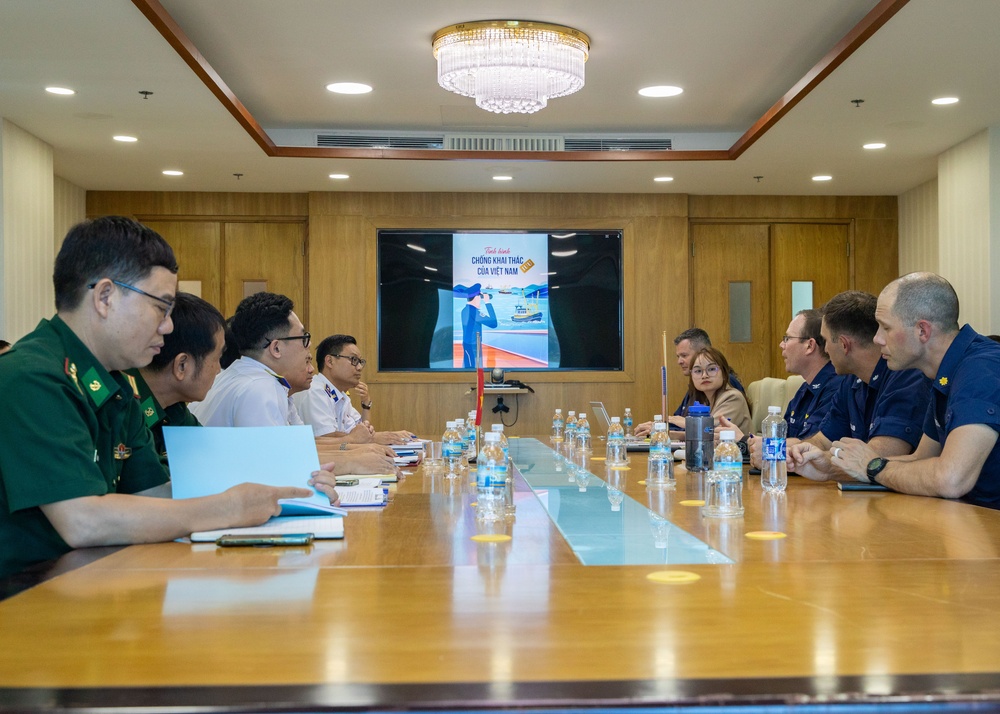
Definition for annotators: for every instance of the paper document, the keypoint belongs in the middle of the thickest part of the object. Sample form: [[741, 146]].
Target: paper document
[[361, 496], [208, 460]]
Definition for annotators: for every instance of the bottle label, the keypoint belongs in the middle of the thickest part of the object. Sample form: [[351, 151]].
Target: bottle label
[[661, 451], [452, 449], [774, 449]]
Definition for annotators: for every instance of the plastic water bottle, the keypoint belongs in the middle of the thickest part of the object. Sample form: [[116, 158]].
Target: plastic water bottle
[[583, 442], [452, 449], [699, 438], [472, 448], [504, 446], [660, 465], [727, 456], [491, 478], [460, 428], [627, 424], [773, 472], [557, 426], [616, 453], [570, 429]]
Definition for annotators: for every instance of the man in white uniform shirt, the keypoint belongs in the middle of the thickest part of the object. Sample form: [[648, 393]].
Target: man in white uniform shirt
[[253, 390], [326, 404]]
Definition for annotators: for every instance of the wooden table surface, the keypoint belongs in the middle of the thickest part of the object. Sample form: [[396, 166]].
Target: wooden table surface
[[869, 596]]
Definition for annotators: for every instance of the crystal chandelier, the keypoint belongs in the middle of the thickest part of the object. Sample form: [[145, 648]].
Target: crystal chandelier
[[510, 66]]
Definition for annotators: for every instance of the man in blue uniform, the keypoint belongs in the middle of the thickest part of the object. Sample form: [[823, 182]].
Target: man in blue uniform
[[882, 407], [477, 313], [77, 464], [958, 454], [804, 351]]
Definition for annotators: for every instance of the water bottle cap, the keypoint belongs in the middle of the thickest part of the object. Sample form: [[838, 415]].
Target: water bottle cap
[[615, 420], [497, 428], [727, 434], [774, 410], [699, 409], [659, 426], [571, 412], [558, 411], [583, 415], [491, 437], [449, 424], [657, 417]]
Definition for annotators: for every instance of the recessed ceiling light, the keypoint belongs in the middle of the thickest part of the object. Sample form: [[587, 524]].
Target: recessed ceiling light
[[503, 178], [172, 172], [661, 91], [945, 100], [59, 90], [348, 88], [663, 179], [340, 177], [874, 145], [822, 178], [563, 253], [125, 139]]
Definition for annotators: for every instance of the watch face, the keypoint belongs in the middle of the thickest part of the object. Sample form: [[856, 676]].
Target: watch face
[[876, 465]]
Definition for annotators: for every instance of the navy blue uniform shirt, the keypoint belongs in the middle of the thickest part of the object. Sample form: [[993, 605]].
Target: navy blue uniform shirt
[[966, 390], [891, 404], [812, 401]]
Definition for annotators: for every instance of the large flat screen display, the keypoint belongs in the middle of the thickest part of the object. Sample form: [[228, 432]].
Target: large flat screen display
[[529, 300]]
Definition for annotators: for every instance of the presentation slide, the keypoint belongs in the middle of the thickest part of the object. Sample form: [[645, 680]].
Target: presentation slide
[[501, 300]]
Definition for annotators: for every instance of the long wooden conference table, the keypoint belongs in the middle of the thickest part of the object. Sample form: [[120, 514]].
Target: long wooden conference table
[[869, 598]]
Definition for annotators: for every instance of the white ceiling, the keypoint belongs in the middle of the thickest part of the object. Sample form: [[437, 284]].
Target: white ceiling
[[734, 58]]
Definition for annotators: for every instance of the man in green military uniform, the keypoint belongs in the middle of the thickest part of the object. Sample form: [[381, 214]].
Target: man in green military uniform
[[183, 370], [77, 463]]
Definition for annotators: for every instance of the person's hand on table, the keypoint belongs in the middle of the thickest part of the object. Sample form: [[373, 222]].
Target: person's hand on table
[[254, 503], [325, 481], [852, 456], [643, 430], [677, 422]]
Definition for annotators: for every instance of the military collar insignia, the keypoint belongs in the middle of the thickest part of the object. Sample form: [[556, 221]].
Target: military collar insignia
[[70, 369], [98, 392], [149, 412], [281, 380], [122, 452], [943, 381]]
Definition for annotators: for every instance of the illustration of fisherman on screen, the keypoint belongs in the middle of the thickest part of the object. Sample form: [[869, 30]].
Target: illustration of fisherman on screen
[[501, 284]]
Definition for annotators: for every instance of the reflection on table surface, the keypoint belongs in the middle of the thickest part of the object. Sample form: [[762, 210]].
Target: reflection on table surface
[[868, 594]]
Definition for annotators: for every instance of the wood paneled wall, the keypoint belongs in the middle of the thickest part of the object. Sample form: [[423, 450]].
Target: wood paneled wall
[[341, 255]]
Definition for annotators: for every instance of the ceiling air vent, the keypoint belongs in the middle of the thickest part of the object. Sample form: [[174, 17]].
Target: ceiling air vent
[[380, 141], [600, 144], [503, 142]]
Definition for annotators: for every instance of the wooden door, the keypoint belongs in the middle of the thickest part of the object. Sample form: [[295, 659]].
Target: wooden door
[[815, 256], [198, 248], [268, 256], [730, 259]]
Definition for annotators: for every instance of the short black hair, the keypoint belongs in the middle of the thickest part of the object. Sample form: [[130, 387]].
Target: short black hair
[[852, 313], [109, 247], [696, 335], [260, 316], [231, 352], [4, 344], [332, 345], [196, 323]]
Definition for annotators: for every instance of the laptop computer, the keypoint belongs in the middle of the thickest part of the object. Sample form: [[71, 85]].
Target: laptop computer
[[598, 410]]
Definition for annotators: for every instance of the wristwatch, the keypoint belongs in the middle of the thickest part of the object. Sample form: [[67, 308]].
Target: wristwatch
[[366, 406], [875, 467]]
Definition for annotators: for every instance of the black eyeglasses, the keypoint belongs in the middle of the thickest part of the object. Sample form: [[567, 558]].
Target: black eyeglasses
[[786, 338], [169, 304], [355, 361], [305, 337]]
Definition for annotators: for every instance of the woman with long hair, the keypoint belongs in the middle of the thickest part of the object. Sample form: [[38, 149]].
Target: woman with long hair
[[709, 384]]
